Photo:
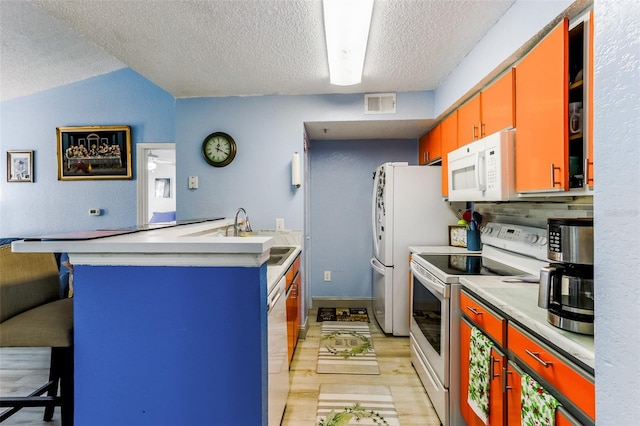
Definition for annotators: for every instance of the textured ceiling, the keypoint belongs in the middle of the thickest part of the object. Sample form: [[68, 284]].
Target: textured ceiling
[[232, 48]]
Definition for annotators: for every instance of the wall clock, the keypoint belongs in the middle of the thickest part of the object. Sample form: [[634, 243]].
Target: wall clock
[[219, 149]]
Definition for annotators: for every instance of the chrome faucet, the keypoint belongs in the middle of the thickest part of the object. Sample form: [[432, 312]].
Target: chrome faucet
[[247, 225]]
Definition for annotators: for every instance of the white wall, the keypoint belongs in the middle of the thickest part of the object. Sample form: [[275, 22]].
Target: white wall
[[617, 211]]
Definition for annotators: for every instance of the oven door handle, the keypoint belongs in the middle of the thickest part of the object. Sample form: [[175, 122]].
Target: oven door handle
[[433, 286]]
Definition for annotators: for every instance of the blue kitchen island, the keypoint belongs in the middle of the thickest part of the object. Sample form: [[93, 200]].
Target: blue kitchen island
[[170, 326]]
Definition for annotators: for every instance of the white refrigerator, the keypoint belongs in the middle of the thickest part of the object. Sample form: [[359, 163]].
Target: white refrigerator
[[407, 210]]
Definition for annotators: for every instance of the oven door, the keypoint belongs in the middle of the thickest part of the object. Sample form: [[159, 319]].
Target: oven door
[[430, 320]]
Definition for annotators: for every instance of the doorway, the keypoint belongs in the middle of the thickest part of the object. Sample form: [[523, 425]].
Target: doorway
[[156, 172]]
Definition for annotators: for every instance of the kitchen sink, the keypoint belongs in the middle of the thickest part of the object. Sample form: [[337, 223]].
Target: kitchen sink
[[279, 254]]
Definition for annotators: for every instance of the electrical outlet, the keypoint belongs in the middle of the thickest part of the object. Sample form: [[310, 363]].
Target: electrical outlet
[[279, 224], [327, 275]]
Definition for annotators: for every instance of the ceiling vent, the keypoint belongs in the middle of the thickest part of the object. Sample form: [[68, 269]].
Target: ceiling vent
[[380, 103]]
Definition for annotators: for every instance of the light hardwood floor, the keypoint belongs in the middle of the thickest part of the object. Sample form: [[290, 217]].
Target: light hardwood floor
[[22, 370], [396, 372]]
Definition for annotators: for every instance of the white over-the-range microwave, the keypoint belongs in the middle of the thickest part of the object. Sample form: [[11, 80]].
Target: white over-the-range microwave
[[484, 170]]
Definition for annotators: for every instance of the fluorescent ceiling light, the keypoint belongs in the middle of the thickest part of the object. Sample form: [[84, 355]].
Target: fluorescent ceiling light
[[346, 27]]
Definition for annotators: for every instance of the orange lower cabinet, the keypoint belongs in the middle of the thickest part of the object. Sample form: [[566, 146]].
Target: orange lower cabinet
[[496, 396], [566, 378], [294, 281], [513, 389], [513, 399], [479, 314]]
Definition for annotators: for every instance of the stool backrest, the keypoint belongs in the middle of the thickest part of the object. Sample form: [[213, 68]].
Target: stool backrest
[[27, 280]]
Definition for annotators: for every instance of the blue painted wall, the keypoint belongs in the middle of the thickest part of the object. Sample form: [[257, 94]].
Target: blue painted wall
[[267, 130], [51, 206], [341, 191]]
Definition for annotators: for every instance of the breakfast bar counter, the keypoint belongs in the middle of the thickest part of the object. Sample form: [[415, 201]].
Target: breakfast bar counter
[[170, 325]]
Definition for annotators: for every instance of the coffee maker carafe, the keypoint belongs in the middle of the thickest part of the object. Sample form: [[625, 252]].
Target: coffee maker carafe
[[566, 285]]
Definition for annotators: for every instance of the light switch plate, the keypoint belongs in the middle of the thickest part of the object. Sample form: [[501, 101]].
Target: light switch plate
[[279, 224]]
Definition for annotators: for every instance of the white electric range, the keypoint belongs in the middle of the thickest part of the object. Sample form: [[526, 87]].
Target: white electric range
[[511, 252]]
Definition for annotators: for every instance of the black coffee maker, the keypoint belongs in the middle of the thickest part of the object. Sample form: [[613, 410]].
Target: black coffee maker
[[566, 285]]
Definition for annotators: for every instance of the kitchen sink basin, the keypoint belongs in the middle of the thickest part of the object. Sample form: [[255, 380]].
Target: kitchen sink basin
[[279, 254]]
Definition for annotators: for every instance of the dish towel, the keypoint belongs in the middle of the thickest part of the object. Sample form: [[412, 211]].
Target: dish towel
[[479, 374], [538, 406]]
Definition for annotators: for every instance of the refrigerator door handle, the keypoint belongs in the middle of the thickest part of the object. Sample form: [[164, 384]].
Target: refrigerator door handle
[[374, 212], [377, 266]]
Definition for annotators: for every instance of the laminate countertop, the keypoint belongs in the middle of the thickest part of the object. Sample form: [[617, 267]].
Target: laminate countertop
[[518, 301]]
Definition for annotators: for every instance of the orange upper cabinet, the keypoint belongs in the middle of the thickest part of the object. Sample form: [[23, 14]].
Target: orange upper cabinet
[[499, 105], [542, 115], [449, 134], [434, 144], [490, 111], [469, 119], [423, 149], [429, 146], [588, 164]]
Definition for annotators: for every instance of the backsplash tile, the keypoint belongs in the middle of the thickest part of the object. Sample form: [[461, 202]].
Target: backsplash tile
[[535, 213]]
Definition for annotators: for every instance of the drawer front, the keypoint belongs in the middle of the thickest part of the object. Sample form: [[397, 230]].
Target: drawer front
[[296, 265], [568, 380], [483, 317], [293, 270]]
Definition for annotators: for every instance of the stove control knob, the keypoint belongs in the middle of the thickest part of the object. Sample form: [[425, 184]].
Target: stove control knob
[[487, 230], [542, 241], [531, 238]]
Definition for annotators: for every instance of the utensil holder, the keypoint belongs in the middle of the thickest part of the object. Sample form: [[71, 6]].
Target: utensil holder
[[473, 240]]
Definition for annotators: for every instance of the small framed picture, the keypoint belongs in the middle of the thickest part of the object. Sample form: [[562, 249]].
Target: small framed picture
[[19, 166], [458, 235]]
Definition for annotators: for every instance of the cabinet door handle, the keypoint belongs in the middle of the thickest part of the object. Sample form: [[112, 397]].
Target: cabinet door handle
[[425, 157], [475, 312], [482, 132], [536, 356], [553, 180], [505, 372], [587, 179], [492, 369]]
